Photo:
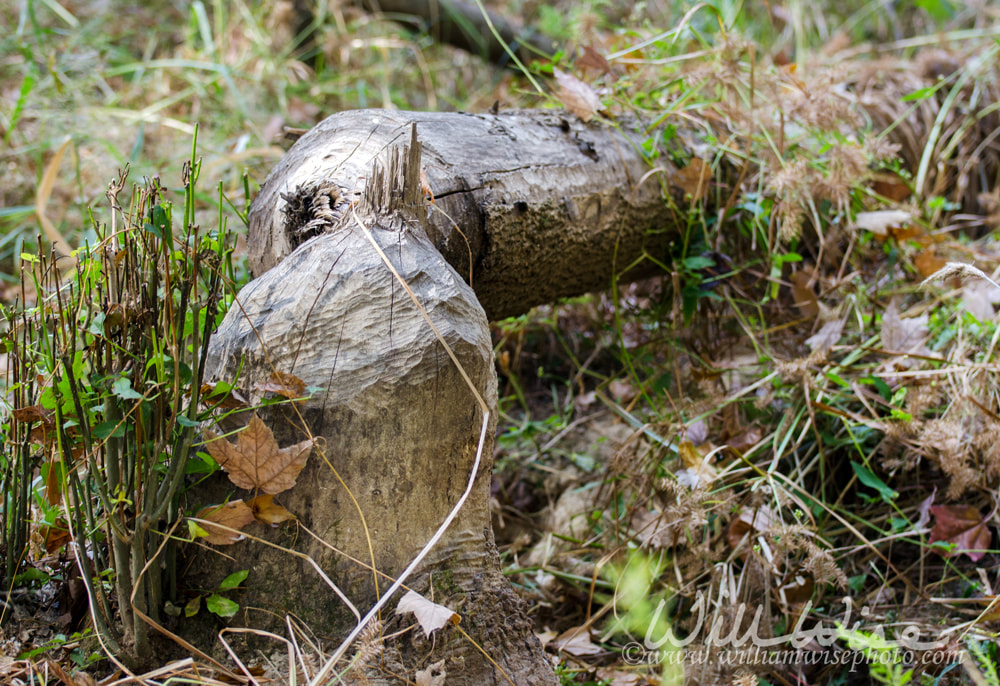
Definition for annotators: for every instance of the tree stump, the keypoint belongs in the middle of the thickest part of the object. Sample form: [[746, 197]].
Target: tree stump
[[537, 210]]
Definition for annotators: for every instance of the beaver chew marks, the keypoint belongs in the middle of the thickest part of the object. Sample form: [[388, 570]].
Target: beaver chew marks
[[311, 210]]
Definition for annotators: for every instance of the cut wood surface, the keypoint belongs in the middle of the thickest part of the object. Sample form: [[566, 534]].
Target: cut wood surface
[[535, 204]]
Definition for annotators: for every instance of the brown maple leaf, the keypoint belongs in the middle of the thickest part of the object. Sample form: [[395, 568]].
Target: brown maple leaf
[[288, 385], [963, 526], [256, 461], [233, 515]]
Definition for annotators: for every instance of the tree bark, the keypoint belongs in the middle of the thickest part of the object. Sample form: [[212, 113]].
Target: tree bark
[[537, 205], [534, 206]]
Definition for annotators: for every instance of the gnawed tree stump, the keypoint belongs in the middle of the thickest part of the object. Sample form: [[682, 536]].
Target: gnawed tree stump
[[541, 203]]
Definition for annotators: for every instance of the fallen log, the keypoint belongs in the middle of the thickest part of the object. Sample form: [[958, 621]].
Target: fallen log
[[526, 207], [536, 204]]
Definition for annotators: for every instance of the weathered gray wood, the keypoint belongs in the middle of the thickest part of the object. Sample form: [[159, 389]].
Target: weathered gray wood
[[529, 207], [397, 424], [543, 202]]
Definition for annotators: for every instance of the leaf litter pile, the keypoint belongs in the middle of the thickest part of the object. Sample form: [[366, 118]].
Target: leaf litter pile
[[800, 419]]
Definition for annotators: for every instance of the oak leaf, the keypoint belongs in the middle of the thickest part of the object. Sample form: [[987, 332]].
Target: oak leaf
[[256, 461], [963, 526], [235, 514]]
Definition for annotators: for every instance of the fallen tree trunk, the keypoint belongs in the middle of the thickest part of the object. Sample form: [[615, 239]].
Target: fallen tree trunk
[[535, 206], [465, 26]]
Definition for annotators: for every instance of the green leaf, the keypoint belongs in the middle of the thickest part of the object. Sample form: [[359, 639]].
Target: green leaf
[[233, 580], [224, 607], [123, 389], [940, 10], [192, 606], [868, 478], [881, 386], [160, 223], [31, 574], [109, 430], [698, 262], [920, 94], [837, 380], [184, 421], [196, 531], [96, 326]]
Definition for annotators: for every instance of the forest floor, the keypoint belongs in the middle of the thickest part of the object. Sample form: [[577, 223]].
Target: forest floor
[[800, 415]]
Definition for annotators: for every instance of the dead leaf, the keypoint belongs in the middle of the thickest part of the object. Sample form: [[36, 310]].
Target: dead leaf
[[266, 512], [234, 515], [828, 335], [281, 383], [924, 510], [880, 221], [903, 335], [654, 531], [591, 59], [804, 295], [546, 637], [31, 413], [55, 536], [430, 615], [576, 96], [979, 298], [693, 179], [256, 461], [618, 677], [749, 523], [698, 469], [797, 591], [227, 398], [576, 641], [44, 193], [434, 675], [928, 264], [891, 185], [53, 480], [963, 526], [697, 432]]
